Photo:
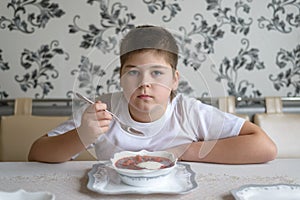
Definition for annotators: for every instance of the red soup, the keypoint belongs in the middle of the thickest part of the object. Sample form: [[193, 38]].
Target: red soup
[[132, 162]]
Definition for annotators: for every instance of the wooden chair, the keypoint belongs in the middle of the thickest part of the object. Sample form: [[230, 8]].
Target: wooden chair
[[227, 104], [19, 131], [283, 128]]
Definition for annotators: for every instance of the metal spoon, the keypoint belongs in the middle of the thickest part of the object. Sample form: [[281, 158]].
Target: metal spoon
[[125, 127]]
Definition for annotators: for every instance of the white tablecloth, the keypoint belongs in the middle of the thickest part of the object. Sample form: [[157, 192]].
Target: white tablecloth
[[69, 180]]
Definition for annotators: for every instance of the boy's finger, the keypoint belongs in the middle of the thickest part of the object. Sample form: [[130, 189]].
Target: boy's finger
[[100, 106], [101, 115], [91, 108]]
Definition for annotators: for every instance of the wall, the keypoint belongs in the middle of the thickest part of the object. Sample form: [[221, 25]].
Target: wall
[[243, 48]]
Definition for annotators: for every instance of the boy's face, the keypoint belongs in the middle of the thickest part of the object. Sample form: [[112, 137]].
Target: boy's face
[[147, 81]]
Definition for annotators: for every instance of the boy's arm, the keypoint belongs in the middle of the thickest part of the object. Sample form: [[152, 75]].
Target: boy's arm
[[59, 148], [94, 122], [252, 145]]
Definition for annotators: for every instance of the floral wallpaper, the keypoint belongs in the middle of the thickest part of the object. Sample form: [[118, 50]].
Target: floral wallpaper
[[245, 48]]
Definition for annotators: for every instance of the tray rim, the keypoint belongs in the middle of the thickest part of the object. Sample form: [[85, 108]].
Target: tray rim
[[107, 163]]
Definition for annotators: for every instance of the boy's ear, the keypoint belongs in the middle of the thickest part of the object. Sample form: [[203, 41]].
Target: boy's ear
[[175, 80]]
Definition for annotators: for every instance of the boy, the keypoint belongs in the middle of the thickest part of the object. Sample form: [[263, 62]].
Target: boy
[[149, 78]]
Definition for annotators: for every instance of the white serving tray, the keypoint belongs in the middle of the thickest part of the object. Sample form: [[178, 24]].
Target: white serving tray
[[104, 179]]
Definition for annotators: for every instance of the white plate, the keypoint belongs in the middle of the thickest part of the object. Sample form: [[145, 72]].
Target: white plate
[[267, 192], [24, 195], [105, 180]]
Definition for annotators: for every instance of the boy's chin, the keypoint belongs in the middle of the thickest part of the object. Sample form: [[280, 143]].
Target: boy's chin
[[149, 109], [142, 109]]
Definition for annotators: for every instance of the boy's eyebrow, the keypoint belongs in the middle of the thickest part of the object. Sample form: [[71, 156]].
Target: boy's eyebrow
[[129, 66], [147, 65]]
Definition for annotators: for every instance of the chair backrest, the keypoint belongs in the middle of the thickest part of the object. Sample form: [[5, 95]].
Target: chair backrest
[[283, 128], [227, 104], [19, 131]]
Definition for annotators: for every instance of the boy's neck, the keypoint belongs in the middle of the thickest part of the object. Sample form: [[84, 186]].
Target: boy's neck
[[147, 116]]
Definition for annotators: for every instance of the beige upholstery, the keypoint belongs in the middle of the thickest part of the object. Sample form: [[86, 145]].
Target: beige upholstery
[[227, 104], [18, 132], [283, 128]]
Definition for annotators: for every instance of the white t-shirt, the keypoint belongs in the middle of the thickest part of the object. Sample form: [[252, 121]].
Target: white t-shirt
[[186, 120]]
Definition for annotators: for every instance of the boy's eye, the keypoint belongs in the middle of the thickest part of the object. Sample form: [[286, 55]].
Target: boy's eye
[[156, 73], [133, 72]]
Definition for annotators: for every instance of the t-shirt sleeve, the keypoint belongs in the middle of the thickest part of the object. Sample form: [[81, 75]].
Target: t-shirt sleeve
[[72, 123], [62, 128], [210, 123]]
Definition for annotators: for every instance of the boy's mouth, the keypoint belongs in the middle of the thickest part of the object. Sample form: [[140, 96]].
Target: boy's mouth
[[144, 96]]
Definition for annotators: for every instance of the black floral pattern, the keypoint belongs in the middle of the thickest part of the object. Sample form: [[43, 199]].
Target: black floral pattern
[[247, 59], [47, 11], [112, 23], [113, 83], [3, 66], [237, 23], [25, 24], [290, 62], [281, 20], [3, 95], [186, 42], [154, 5], [42, 68], [89, 74], [184, 88]]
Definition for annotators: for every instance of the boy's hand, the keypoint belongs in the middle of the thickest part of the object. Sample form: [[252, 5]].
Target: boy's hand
[[94, 122]]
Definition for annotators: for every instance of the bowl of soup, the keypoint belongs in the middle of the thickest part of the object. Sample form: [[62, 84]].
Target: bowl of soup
[[143, 168]]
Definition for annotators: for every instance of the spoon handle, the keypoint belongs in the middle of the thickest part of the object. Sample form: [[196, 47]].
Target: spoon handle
[[84, 98], [91, 102]]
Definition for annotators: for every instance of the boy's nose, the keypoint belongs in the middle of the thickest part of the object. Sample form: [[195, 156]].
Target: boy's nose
[[146, 84], [145, 81]]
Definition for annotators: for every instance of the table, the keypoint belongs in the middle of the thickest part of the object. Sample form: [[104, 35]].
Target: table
[[69, 180]]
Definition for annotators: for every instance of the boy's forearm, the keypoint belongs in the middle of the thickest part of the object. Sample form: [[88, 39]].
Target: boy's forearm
[[59, 148], [243, 149]]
